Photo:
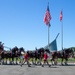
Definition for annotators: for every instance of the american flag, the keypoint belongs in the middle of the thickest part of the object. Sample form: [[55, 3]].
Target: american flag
[[47, 16], [61, 16]]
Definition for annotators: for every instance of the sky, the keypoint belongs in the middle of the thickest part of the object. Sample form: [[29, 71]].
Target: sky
[[22, 23]]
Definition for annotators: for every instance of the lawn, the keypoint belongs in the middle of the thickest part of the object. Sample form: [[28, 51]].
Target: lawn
[[70, 60]]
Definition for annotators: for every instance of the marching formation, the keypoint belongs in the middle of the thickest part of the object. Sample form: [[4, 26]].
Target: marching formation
[[38, 56]]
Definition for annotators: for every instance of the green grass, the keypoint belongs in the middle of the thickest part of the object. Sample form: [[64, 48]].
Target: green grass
[[69, 60], [59, 60]]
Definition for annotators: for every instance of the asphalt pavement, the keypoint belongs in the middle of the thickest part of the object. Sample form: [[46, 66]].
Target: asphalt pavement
[[37, 70]]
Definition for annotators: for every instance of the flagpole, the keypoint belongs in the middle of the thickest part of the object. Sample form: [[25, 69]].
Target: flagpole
[[48, 36], [61, 20], [62, 30], [49, 31], [62, 34], [47, 19]]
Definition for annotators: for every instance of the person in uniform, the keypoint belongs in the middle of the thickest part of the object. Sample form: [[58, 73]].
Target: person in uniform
[[45, 59], [26, 58]]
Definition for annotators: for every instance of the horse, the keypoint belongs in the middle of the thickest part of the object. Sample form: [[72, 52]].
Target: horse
[[21, 53], [54, 58], [20, 50], [39, 55], [64, 55], [1, 49], [35, 55], [9, 54], [14, 53]]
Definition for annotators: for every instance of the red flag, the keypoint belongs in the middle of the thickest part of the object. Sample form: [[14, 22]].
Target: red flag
[[61, 16], [47, 16]]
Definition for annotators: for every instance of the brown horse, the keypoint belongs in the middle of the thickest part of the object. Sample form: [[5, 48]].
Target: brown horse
[[64, 55], [36, 55], [13, 53]]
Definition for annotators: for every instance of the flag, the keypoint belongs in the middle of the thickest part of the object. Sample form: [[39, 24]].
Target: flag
[[52, 46], [47, 16], [61, 16]]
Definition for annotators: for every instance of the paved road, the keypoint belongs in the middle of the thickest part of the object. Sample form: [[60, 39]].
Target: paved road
[[37, 70]]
